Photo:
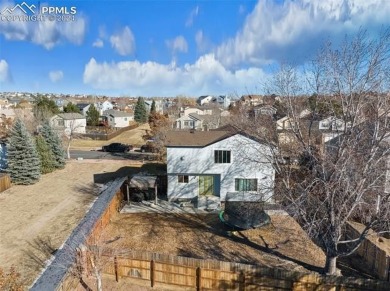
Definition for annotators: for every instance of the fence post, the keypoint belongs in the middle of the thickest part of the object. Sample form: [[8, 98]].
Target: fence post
[[198, 279], [116, 269], [152, 267], [241, 281]]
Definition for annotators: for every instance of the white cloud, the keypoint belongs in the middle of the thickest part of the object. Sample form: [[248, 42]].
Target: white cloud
[[98, 43], [45, 33], [5, 74], [56, 76], [179, 44], [123, 42], [205, 76], [203, 44], [193, 14], [293, 30]]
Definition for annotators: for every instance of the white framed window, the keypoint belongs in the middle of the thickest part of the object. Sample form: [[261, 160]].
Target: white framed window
[[182, 179], [245, 184], [222, 157]]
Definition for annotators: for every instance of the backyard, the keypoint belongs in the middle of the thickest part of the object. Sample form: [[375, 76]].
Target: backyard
[[282, 244]]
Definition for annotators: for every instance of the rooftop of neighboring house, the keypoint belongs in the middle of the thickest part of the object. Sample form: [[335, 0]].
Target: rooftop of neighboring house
[[70, 116], [117, 113], [81, 106], [194, 138]]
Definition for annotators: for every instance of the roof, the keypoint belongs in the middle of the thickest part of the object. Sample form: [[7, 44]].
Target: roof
[[194, 138], [81, 106], [71, 116], [117, 113]]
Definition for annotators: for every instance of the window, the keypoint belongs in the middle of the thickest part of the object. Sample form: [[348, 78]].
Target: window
[[60, 122], [246, 185], [125, 119], [222, 157], [182, 179]]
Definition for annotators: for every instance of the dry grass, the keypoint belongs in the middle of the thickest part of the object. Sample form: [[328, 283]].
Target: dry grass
[[283, 244], [133, 137], [37, 219]]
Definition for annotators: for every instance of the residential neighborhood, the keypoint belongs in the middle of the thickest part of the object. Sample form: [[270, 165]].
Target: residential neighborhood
[[182, 145]]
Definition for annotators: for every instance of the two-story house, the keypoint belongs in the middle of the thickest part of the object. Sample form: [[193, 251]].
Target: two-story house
[[104, 106], [69, 122], [219, 165], [117, 118]]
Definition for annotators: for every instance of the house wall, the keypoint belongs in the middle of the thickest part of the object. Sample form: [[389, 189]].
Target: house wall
[[76, 125], [119, 121], [249, 159]]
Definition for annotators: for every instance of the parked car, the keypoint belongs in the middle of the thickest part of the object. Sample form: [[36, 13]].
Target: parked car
[[117, 148], [149, 148]]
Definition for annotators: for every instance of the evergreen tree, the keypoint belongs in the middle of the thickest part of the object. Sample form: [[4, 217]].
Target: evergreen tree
[[93, 116], [153, 107], [23, 160], [140, 113], [46, 156], [54, 142], [71, 107], [44, 107]]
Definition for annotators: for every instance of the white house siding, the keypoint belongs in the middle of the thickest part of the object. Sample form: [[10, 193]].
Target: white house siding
[[119, 121], [249, 160], [76, 125]]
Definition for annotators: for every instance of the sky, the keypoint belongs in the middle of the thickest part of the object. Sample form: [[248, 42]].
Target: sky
[[169, 48]]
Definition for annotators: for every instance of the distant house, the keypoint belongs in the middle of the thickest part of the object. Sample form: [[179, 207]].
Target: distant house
[[117, 118], [159, 105], [104, 106], [334, 124], [252, 100], [264, 110], [83, 107], [199, 121], [217, 165], [222, 101], [203, 100], [69, 122], [184, 111], [285, 123]]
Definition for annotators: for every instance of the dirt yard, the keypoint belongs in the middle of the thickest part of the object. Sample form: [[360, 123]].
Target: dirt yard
[[133, 137], [41, 216], [282, 244]]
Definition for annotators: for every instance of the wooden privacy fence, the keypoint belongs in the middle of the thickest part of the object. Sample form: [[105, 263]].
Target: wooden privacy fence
[[197, 274], [5, 182], [374, 250]]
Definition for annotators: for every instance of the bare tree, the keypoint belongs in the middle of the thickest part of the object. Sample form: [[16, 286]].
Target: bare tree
[[344, 179], [71, 132]]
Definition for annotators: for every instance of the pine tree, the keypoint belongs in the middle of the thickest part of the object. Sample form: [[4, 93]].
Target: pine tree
[[23, 160], [70, 107], [153, 107], [140, 114], [54, 142], [93, 116], [46, 156]]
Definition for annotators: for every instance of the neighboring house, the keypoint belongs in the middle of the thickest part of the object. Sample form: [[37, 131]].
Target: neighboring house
[[285, 123], [60, 102], [185, 111], [83, 107], [158, 103], [334, 124], [104, 106], [252, 100], [117, 118], [198, 122], [218, 165], [69, 122], [222, 101], [264, 110], [203, 100]]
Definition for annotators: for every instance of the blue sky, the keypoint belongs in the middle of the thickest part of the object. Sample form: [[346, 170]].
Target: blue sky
[[170, 48]]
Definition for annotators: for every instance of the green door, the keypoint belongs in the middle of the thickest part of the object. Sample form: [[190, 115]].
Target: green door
[[206, 185]]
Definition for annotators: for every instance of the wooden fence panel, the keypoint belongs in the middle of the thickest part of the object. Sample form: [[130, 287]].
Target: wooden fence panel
[[5, 182], [175, 274]]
